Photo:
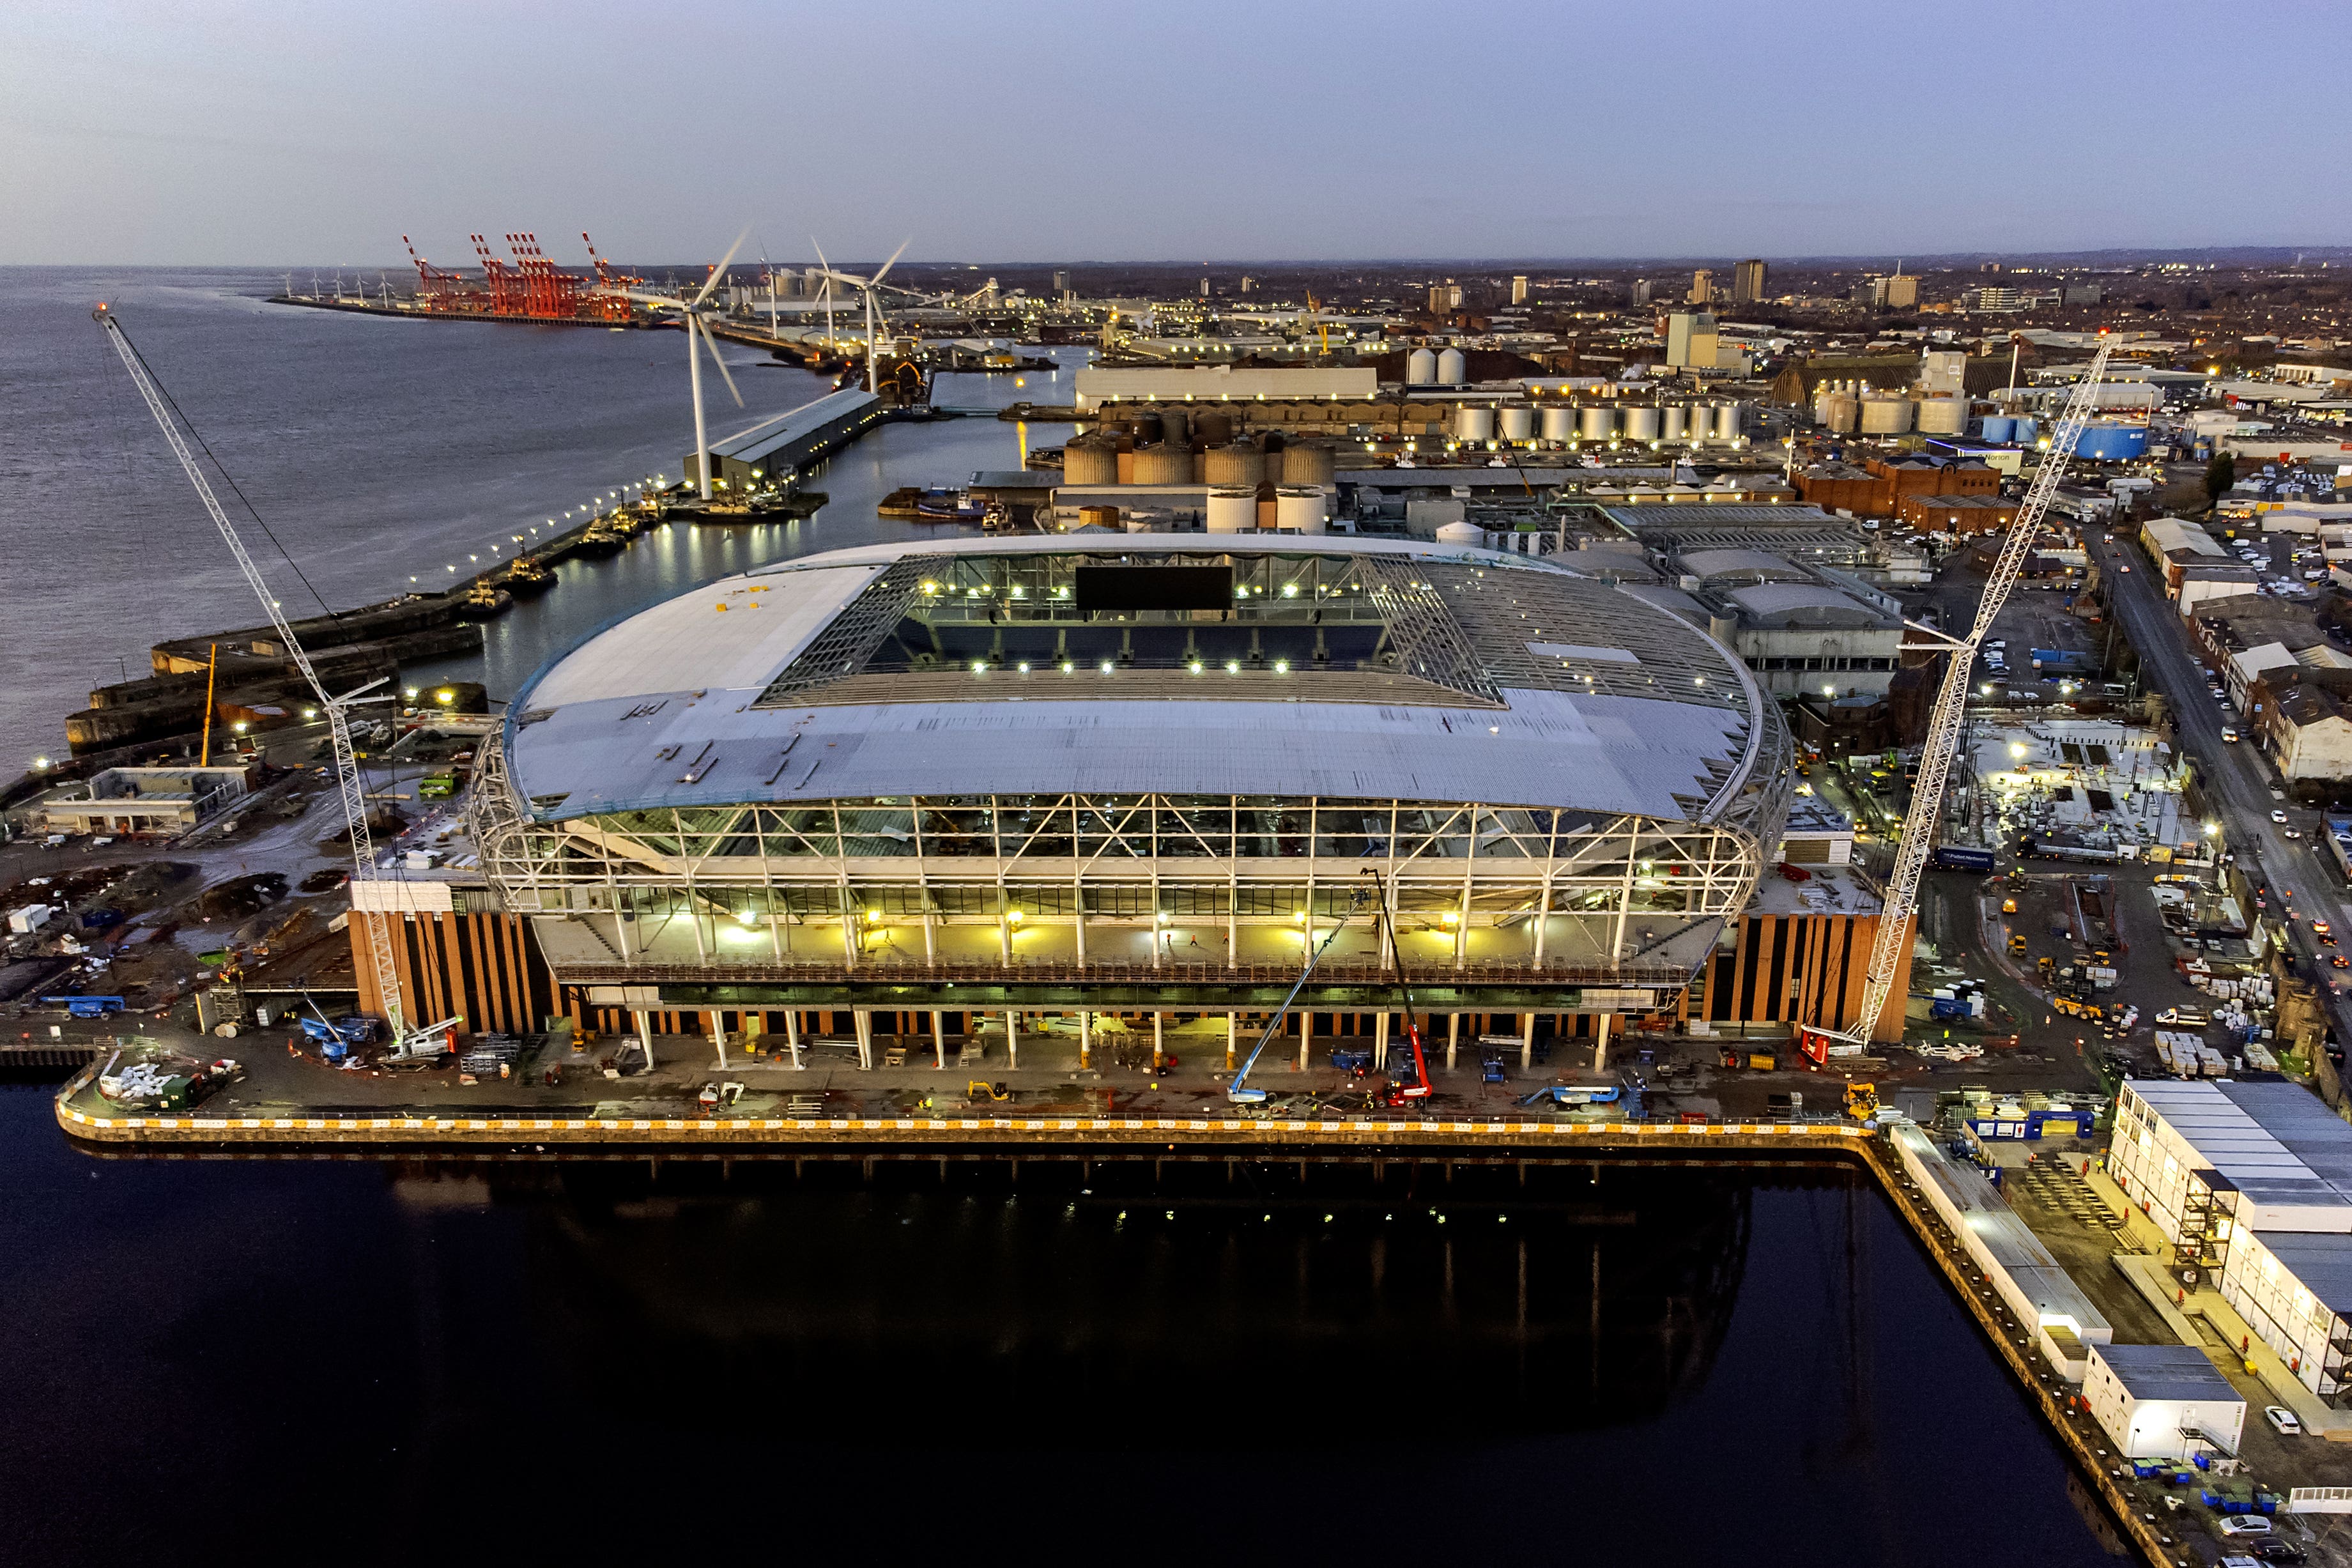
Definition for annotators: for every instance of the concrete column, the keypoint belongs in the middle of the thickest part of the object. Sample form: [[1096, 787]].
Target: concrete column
[[1601, 1041], [1012, 1039], [1305, 1040], [646, 1033], [792, 1035], [1452, 1037], [1085, 1039], [864, 1019], [719, 1036], [1233, 1046], [939, 1039], [1380, 1041], [1158, 1040], [1527, 1041]]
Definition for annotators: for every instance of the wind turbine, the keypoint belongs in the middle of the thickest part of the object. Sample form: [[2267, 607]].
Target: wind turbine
[[866, 286], [691, 312]]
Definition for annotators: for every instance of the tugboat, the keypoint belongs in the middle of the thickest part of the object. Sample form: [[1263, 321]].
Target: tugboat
[[947, 506], [482, 599], [526, 575], [603, 537]]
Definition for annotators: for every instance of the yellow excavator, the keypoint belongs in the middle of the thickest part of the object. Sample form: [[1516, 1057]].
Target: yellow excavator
[[1862, 1100]]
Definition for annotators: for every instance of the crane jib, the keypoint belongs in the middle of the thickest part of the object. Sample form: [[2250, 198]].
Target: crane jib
[[1887, 946]]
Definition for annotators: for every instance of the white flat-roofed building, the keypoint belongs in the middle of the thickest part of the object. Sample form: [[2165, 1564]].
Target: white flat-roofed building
[[1098, 385], [2163, 1401], [2252, 1183]]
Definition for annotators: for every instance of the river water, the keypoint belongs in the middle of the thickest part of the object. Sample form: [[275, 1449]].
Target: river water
[[377, 452], [206, 1357], [202, 1360]]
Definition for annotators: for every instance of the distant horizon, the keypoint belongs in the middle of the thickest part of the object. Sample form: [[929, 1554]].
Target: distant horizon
[[2218, 255]]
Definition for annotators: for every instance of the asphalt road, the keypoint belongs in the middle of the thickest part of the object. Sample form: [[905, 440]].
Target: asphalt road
[[2239, 778]]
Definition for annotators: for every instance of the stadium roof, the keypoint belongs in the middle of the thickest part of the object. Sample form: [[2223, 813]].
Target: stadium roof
[[1436, 673]]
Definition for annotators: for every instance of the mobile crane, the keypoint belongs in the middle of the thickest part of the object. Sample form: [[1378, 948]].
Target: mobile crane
[[380, 966], [1943, 725], [1238, 1090], [1396, 1094], [1403, 1094]]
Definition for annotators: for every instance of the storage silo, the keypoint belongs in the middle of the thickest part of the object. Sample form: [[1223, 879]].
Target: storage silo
[[1163, 465], [1726, 421], [1175, 429], [1474, 422], [1675, 425], [1299, 508], [1518, 422], [1090, 460], [1844, 413], [1998, 427], [1885, 414], [1233, 508], [1235, 463], [1461, 533], [1641, 424], [1941, 414], [1453, 370], [1559, 423], [1212, 426], [1596, 424], [1308, 463], [1419, 368], [2111, 441]]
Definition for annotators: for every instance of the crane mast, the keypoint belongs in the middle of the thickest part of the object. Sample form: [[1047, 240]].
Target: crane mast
[[347, 770], [1944, 724]]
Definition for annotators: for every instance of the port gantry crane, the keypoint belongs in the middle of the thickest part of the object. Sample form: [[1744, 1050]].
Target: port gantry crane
[[381, 965], [1902, 899]]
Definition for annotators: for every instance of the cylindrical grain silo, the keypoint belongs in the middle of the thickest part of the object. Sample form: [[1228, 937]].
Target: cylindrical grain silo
[[1233, 508], [1474, 423], [1675, 424], [1844, 413], [1419, 368], [1452, 368], [1299, 509], [1163, 465], [1308, 463], [1595, 423], [1942, 413], [1559, 423], [1885, 414], [1518, 422], [1090, 460], [1726, 421], [1175, 427], [1642, 423], [1235, 463], [1212, 427]]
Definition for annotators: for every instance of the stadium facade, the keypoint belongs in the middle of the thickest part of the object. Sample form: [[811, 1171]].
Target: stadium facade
[[941, 782]]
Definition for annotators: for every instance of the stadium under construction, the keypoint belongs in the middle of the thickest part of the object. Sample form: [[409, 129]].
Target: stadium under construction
[[1043, 789]]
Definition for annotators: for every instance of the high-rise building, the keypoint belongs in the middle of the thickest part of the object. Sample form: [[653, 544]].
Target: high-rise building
[[1702, 288], [1642, 289], [1519, 288], [1900, 292], [1204, 288], [1747, 282], [1690, 339], [1060, 282], [1247, 282], [2000, 299]]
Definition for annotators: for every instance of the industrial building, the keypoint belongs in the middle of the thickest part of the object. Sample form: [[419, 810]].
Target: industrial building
[[2252, 1182], [2163, 1401], [776, 447], [166, 800], [959, 786], [1098, 385]]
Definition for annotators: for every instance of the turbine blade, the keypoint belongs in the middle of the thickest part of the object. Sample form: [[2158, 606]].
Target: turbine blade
[[894, 260], [697, 323], [720, 271]]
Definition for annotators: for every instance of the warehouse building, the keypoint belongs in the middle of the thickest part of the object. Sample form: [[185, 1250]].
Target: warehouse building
[[2252, 1182], [2163, 1401], [1098, 385], [776, 447]]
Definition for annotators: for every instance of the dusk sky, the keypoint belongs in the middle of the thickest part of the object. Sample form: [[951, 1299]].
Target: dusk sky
[[267, 133]]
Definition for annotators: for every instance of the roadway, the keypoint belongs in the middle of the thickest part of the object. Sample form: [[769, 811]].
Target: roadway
[[2238, 778]]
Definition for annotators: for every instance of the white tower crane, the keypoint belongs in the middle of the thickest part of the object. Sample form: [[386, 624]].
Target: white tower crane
[[381, 967], [1943, 725]]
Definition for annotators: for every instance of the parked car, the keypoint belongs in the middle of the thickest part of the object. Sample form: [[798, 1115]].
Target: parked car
[[2282, 1420], [2242, 1524]]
